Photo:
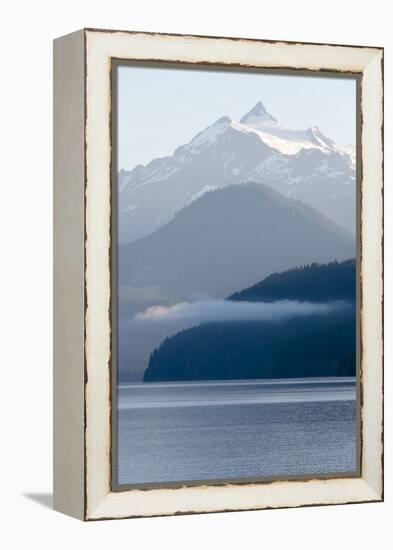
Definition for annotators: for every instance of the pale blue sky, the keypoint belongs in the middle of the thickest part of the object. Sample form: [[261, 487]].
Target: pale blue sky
[[162, 108]]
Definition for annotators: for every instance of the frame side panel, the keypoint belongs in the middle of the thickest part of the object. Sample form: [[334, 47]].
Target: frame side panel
[[68, 242], [372, 275]]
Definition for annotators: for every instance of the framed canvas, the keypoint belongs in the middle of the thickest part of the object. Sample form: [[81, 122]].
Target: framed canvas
[[218, 266]]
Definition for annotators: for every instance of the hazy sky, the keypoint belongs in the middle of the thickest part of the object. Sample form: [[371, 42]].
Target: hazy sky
[[162, 108]]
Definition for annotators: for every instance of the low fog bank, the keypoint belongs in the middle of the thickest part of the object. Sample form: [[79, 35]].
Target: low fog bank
[[223, 310]]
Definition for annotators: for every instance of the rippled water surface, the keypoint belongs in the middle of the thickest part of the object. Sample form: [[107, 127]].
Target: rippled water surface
[[235, 429]]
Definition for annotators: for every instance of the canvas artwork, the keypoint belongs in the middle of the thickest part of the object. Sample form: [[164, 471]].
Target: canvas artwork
[[235, 303]]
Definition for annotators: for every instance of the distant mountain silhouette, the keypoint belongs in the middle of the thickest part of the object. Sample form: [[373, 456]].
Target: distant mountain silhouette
[[314, 345], [229, 238]]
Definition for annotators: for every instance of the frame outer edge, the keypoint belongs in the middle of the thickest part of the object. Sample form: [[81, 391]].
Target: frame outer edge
[[68, 294]]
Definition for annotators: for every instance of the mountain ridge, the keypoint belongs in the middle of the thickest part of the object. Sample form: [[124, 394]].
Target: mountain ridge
[[228, 239], [319, 283], [303, 164]]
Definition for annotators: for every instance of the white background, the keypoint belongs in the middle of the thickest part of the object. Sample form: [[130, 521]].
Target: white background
[[28, 28]]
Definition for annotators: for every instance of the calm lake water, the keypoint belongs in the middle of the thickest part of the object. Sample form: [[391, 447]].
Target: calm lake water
[[235, 429]]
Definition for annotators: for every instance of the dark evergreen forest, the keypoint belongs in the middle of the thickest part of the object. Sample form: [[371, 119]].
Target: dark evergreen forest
[[321, 344]]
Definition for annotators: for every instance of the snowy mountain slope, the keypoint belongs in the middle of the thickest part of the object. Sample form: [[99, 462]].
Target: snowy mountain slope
[[302, 164]]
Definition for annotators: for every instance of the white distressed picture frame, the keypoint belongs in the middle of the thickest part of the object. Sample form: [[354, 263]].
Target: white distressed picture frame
[[82, 241]]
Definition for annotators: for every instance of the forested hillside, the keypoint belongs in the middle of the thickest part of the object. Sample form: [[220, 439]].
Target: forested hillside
[[312, 283], [322, 344]]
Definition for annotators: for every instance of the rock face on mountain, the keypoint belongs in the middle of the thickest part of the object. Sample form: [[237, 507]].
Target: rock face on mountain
[[305, 165], [228, 239], [311, 345]]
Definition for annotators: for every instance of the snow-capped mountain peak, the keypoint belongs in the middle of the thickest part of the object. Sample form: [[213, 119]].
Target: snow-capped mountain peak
[[284, 140], [206, 137], [261, 123], [317, 137], [303, 164], [258, 117]]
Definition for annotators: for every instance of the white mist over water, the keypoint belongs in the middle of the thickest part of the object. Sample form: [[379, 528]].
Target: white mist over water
[[228, 310]]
